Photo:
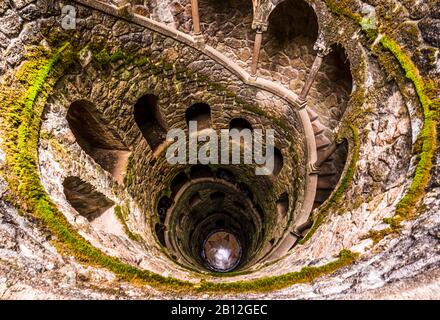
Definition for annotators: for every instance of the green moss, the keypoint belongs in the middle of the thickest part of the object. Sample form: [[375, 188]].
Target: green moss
[[377, 236], [306, 274], [102, 57], [116, 56], [427, 137], [129, 172], [334, 199], [121, 214], [22, 109]]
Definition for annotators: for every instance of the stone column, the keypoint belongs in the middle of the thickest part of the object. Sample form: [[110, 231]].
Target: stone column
[[195, 17], [257, 47], [322, 52]]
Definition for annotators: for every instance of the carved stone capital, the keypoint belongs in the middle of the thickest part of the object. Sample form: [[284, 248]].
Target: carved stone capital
[[260, 26], [199, 40], [119, 3], [321, 48], [262, 10], [302, 103], [313, 169]]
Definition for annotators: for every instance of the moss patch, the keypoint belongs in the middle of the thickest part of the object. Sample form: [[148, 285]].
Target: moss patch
[[306, 274], [427, 138], [122, 213]]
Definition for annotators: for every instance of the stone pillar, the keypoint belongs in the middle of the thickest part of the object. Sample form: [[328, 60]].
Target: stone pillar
[[257, 47], [195, 17], [322, 52]]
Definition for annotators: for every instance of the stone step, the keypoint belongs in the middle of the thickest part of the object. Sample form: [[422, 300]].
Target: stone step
[[327, 169], [322, 142], [318, 127], [312, 114]]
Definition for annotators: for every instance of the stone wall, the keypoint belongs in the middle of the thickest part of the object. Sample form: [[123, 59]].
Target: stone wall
[[389, 121]]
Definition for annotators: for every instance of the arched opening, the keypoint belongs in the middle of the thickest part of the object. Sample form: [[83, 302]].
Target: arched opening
[[160, 233], [195, 199], [97, 138], [335, 71], [199, 171], [292, 19], [93, 205], [283, 204], [149, 120], [201, 113], [217, 196], [178, 181], [162, 207], [240, 124], [84, 198]]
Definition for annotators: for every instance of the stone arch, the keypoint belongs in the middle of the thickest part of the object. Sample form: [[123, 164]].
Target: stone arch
[[291, 19], [201, 113], [240, 123], [283, 204], [84, 198], [278, 161], [97, 138], [178, 181], [336, 67], [149, 120], [163, 205]]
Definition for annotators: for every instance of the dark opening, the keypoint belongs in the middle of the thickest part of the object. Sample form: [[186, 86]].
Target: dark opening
[[330, 173], [199, 171], [179, 180], [195, 199], [84, 198], [240, 124], [283, 204], [97, 138], [278, 162], [338, 69], [293, 18], [200, 112], [149, 120], [160, 233], [163, 205], [217, 196]]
